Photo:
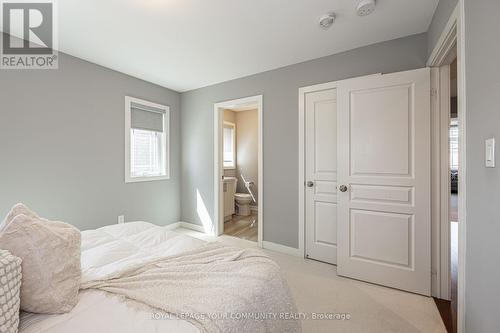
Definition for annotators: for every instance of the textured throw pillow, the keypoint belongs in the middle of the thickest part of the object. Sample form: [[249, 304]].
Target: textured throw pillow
[[50, 253], [18, 209], [10, 284]]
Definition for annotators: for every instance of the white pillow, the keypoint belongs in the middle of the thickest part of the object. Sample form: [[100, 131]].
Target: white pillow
[[50, 253], [10, 284]]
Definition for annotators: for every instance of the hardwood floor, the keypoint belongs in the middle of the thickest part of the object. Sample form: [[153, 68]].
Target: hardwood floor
[[244, 227], [448, 309]]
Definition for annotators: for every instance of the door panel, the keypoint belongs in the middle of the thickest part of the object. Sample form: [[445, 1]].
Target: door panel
[[384, 159], [325, 233], [370, 230], [321, 171], [380, 137], [382, 194]]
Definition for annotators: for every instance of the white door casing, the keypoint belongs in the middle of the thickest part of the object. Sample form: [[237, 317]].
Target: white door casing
[[384, 160], [321, 175]]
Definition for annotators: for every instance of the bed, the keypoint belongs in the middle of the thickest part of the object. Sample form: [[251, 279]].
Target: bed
[[139, 277]]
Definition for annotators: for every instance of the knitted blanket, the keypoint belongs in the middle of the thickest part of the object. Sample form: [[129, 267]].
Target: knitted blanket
[[215, 287]]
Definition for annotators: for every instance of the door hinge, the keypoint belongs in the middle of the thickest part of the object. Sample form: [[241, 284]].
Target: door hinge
[[434, 92]]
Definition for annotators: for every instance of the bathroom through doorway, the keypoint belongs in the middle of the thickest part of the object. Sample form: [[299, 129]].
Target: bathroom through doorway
[[239, 168]]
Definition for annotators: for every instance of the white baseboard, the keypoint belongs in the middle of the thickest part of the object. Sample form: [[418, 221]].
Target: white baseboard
[[192, 226], [186, 225], [266, 245], [173, 226], [282, 249]]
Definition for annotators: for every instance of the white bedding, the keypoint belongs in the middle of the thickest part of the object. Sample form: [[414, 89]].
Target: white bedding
[[105, 252], [100, 312]]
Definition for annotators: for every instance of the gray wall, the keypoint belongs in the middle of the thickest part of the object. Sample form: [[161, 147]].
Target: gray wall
[[441, 16], [280, 129], [62, 146], [483, 185]]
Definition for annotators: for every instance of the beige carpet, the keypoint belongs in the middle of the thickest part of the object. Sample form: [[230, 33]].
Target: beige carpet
[[317, 289]]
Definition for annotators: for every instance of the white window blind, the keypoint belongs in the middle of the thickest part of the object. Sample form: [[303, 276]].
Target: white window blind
[[147, 144]]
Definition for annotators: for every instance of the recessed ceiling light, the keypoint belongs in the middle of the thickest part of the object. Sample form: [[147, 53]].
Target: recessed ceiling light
[[365, 7], [327, 20]]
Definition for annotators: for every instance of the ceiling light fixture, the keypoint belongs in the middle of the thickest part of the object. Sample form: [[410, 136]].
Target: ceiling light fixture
[[365, 7], [327, 20]]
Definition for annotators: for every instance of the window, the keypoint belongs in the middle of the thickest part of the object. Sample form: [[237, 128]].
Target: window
[[454, 144], [146, 140], [229, 145]]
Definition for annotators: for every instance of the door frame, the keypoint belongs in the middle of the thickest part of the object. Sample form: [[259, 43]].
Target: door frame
[[219, 165], [453, 35], [441, 187]]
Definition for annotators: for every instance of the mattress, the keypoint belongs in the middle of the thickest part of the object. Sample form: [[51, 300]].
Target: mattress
[[103, 251]]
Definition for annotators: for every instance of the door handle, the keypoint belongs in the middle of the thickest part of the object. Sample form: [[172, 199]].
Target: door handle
[[342, 188], [310, 183]]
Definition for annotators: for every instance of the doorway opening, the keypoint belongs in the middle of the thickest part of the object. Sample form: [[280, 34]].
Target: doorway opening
[[238, 169], [240, 158], [453, 217], [449, 109]]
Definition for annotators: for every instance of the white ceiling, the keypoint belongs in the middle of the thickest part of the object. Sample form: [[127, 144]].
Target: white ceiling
[[188, 44]]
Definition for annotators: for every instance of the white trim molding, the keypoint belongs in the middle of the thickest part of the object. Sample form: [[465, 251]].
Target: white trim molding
[[454, 35], [192, 226], [186, 225], [218, 224], [441, 188], [173, 226], [446, 42], [282, 249]]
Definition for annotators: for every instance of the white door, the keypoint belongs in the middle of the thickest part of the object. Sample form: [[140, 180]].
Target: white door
[[384, 162], [321, 175]]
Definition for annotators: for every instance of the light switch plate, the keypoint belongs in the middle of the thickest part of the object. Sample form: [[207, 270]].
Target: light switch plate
[[121, 219], [489, 146]]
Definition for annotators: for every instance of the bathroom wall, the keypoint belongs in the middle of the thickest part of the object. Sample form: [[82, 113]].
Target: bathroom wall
[[247, 150], [229, 115]]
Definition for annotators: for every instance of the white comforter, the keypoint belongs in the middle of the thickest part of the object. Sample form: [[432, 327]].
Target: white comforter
[[107, 251], [110, 254]]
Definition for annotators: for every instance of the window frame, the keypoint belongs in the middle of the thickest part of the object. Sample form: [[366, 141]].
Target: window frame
[[165, 142], [228, 124]]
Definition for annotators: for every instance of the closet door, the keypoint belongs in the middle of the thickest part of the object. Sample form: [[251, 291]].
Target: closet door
[[384, 221], [321, 175]]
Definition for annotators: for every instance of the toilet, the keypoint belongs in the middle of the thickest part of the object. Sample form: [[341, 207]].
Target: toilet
[[243, 201]]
